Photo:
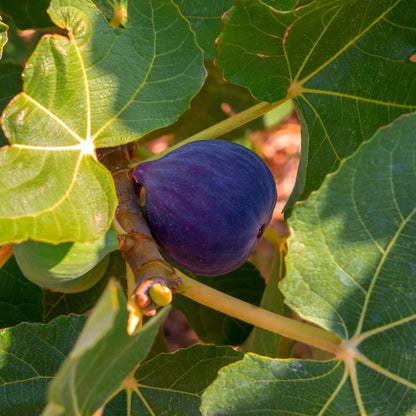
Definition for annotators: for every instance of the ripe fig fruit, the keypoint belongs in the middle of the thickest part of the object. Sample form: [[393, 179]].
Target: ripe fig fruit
[[207, 204], [67, 267]]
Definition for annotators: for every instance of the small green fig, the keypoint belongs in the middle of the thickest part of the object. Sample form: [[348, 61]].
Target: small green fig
[[67, 267]]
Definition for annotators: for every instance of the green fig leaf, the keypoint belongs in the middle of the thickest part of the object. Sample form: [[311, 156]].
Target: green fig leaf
[[30, 355], [347, 80], [100, 86], [20, 299], [103, 356], [212, 326], [350, 269], [205, 19], [171, 384]]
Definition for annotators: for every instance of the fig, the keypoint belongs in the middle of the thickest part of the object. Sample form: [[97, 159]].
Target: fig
[[67, 267], [207, 204]]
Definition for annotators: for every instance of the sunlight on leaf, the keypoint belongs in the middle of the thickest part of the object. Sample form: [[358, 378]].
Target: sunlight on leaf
[[100, 86]]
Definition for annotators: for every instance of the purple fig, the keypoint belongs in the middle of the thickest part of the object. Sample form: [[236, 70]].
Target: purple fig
[[207, 204]]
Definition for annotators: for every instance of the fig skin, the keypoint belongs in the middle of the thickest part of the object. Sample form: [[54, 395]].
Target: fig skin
[[67, 267], [207, 204]]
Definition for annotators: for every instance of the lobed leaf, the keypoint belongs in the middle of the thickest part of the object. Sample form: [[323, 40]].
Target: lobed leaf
[[99, 86], [347, 63], [205, 20], [351, 269]]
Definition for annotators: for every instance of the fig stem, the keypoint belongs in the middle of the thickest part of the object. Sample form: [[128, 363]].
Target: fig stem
[[226, 125], [262, 318]]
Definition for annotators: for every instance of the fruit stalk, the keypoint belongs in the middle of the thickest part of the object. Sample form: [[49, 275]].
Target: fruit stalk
[[139, 250], [259, 317]]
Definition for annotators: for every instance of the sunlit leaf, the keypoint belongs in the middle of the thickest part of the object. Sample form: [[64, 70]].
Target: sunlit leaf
[[100, 86], [347, 63]]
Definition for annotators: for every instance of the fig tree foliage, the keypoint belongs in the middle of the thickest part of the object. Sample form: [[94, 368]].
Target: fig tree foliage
[[327, 328]]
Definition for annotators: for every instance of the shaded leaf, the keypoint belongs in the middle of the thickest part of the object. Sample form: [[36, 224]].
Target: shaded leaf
[[205, 20], [27, 14], [57, 303], [348, 79], [102, 357], [171, 384], [30, 355], [246, 284], [20, 300], [100, 86]]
